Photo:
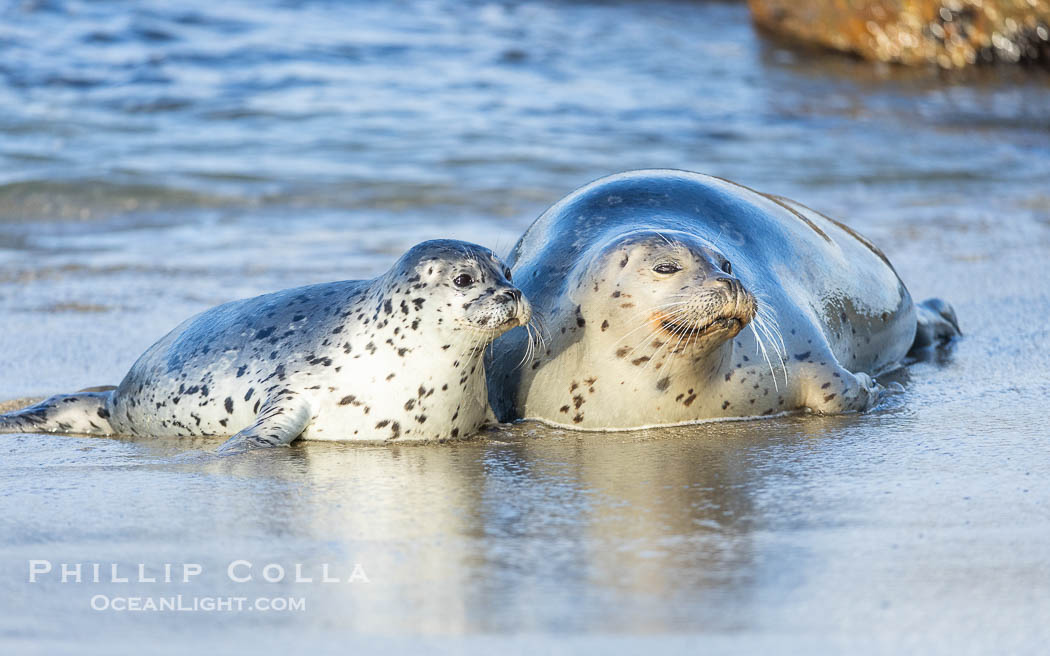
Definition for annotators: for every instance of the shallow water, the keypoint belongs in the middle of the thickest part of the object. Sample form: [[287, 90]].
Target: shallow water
[[156, 161]]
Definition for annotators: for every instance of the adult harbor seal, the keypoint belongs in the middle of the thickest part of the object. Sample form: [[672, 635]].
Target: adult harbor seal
[[672, 297], [397, 357]]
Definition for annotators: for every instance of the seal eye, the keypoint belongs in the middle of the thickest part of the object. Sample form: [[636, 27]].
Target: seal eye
[[667, 267], [463, 280], [506, 274], [727, 267]]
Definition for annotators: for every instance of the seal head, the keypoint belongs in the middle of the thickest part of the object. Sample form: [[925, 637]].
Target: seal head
[[672, 293]]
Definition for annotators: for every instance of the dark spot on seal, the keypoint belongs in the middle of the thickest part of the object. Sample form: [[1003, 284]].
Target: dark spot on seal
[[229, 405], [418, 302], [578, 418], [241, 370], [605, 325], [263, 334], [725, 404], [102, 412], [223, 422], [663, 383], [409, 404], [802, 356], [689, 400], [825, 386], [577, 401], [641, 360], [347, 400], [382, 424], [248, 395], [623, 262], [622, 351], [455, 432], [564, 408], [829, 397]]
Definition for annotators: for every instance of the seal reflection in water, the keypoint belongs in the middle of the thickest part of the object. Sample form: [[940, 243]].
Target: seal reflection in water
[[397, 357], [670, 297]]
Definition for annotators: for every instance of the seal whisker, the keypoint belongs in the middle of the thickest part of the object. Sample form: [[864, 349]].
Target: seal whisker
[[541, 328], [781, 350], [765, 310], [762, 348], [680, 331], [674, 315], [530, 348], [648, 311], [765, 320]]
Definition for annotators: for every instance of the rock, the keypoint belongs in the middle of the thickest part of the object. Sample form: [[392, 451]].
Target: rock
[[947, 33]]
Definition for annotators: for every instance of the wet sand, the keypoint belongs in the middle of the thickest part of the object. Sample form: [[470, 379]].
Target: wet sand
[[165, 159]]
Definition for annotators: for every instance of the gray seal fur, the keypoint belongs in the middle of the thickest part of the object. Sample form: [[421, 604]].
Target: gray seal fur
[[397, 357], [672, 297]]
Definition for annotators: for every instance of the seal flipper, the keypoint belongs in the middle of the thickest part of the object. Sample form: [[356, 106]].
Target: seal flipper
[[83, 412], [936, 325], [279, 422], [835, 390]]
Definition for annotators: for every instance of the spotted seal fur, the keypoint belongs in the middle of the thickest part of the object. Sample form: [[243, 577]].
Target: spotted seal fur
[[671, 297], [397, 357]]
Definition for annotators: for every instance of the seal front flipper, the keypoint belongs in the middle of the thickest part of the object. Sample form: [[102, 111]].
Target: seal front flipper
[[84, 412], [278, 424], [835, 390]]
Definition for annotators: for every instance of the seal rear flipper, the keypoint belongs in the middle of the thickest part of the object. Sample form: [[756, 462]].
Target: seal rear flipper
[[937, 324], [83, 412], [278, 424]]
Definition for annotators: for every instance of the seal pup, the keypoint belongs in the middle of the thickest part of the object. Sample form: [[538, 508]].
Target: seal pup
[[672, 297], [398, 357]]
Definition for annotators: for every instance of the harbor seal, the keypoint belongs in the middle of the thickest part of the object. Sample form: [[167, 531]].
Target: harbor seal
[[397, 357], [672, 297]]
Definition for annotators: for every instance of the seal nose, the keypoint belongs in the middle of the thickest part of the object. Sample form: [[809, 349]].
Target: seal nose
[[735, 288], [512, 294]]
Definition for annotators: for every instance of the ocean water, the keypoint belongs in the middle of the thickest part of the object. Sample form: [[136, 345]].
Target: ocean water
[[159, 158]]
